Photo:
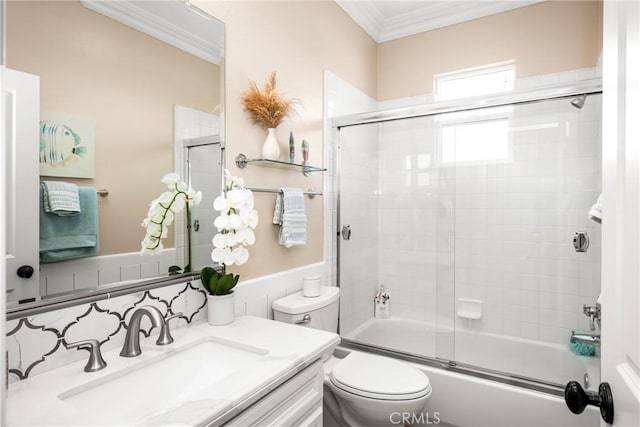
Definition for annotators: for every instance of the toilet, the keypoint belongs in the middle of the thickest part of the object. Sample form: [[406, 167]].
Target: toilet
[[361, 389]]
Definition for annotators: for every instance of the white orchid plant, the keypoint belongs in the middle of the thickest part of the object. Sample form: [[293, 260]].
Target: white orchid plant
[[235, 225], [162, 212]]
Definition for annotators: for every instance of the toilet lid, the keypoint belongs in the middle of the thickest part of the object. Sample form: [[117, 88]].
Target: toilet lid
[[379, 377]]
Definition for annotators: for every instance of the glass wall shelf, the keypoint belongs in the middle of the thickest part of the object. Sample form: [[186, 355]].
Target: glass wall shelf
[[242, 161]]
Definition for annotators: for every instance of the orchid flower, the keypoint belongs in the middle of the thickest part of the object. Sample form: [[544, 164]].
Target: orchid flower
[[162, 211], [235, 223]]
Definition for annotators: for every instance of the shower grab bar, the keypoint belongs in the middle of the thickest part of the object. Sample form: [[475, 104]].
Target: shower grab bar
[[310, 192]]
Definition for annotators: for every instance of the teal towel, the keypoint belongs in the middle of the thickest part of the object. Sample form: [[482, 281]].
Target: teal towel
[[68, 237]]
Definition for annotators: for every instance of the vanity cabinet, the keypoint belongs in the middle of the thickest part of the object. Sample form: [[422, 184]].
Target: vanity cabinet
[[297, 402]]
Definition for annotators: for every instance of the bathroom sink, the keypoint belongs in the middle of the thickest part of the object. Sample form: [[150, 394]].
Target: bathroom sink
[[168, 380]]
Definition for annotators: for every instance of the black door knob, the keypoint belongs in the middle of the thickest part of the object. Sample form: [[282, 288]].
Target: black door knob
[[577, 399], [25, 271]]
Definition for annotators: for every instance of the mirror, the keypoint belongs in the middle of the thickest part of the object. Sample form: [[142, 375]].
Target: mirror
[[143, 80]]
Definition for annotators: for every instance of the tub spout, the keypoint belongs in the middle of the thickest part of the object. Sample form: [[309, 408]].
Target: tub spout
[[585, 338]]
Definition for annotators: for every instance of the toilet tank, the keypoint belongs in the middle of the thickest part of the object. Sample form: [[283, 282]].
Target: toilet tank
[[319, 312]]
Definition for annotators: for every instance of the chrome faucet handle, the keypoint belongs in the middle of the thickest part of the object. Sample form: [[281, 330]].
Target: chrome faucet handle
[[593, 313], [165, 337], [96, 362]]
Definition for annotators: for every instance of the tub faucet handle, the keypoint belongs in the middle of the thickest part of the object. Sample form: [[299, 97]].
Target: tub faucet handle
[[593, 313]]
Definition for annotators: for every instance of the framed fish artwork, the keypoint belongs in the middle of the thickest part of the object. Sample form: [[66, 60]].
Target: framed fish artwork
[[67, 145]]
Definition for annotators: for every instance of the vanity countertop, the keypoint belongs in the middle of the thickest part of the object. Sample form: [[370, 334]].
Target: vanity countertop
[[281, 351]]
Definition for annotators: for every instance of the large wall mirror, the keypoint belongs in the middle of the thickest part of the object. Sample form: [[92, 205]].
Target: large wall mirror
[[110, 96]]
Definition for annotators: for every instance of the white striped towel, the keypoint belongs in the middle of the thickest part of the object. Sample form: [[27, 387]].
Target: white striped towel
[[289, 214], [60, 198]]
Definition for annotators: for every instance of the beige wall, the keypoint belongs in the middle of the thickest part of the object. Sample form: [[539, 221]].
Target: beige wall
[[544, 38], [299, 40], [128, 82]]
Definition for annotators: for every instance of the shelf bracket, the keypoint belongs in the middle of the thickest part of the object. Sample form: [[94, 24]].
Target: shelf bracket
[[241, 161]]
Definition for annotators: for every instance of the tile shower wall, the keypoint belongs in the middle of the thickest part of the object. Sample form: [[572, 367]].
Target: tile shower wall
[[36, 344], [514, 225]]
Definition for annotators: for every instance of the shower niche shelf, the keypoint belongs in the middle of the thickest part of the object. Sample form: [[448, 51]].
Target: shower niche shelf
[[242, 161]]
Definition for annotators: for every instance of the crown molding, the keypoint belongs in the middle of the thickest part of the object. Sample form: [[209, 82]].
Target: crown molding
[[430, 16], [365, 14], [134, 15]]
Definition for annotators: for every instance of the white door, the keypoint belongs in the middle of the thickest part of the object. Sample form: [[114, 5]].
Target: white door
[[621, 209], [21, 93]]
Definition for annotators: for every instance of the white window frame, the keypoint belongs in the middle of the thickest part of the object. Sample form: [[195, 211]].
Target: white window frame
[[508, 68], [474, 116]]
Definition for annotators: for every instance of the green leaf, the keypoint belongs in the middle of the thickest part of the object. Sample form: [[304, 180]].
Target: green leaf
[[217, 283], [224, 284], [174, 269], [206, 274], [213, 283]]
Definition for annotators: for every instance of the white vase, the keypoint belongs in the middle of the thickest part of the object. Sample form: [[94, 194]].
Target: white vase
[[270, 148], [220, 309]]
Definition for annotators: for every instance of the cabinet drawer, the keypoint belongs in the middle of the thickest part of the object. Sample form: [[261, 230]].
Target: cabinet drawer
[[295, 403]]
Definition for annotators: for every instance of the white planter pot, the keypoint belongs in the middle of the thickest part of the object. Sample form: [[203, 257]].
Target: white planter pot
[[270, 148], [220, 309]]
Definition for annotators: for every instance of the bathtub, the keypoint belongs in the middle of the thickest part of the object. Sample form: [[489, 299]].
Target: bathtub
[[461, 399]]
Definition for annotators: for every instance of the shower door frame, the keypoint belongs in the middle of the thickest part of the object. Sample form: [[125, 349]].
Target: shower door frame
[[187, 145], [517, 97], [520, 97]]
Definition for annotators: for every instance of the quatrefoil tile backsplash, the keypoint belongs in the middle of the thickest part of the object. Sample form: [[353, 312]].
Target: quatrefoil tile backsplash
[[36, 343]]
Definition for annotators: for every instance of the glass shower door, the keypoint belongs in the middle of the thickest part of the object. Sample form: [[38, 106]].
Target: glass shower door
[[525, 179], [203, 164], [467, 219], [398, 206]]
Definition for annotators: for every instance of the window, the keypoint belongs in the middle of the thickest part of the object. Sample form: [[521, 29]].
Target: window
[[475, 141], [479, 81], [480, 135]]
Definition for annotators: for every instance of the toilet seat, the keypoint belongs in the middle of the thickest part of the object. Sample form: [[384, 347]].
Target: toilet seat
[[380, 378]]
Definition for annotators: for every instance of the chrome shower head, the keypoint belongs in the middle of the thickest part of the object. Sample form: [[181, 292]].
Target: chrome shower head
[[579, 100]]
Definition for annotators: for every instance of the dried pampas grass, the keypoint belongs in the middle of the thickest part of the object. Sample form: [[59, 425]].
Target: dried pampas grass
[[267, 107]]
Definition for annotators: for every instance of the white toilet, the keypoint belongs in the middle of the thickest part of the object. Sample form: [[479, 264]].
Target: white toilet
[[361, 389]]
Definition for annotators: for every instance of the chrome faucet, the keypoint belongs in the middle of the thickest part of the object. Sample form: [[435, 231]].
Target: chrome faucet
[[131, 346], [593, 313], [585, 338]]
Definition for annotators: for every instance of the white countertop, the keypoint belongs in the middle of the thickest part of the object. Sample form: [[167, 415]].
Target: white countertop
[[289, 349]]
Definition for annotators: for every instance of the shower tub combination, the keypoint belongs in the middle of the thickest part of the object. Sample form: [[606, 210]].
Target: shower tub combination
[[489, 396], [439, 222]]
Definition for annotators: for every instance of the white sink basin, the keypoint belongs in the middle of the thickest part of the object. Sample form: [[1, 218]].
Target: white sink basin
[[155, 384]]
